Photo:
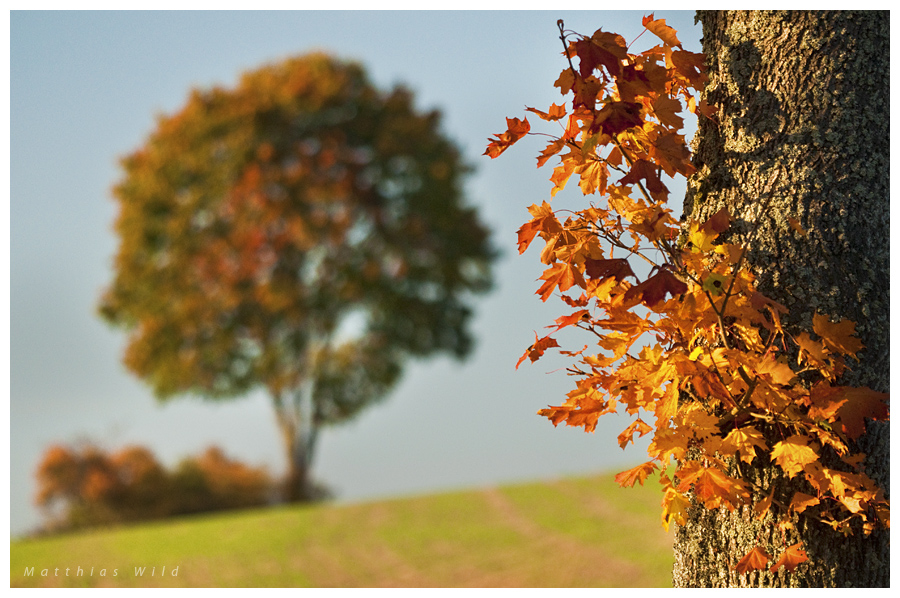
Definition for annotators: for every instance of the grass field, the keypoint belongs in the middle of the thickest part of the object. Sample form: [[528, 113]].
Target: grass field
[[573, 532]]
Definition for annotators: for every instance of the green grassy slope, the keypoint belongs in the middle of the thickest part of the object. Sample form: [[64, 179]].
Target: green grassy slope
[[572, 532]]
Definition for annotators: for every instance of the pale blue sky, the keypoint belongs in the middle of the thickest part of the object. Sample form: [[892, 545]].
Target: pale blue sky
[[84, 89]]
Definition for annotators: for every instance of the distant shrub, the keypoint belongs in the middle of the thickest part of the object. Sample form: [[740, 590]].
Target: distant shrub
[[86, 487]]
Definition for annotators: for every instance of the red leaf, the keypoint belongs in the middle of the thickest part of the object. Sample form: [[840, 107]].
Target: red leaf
[[654, 289], [602, 49], [617, 268], [616, 117]]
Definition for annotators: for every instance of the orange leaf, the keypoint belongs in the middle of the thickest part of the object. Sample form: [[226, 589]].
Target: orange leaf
[[690, 65], [535, 351], [643, 169], [594, 174], [860, 403], [560, 274], [839, 337], [796, 226], [800, 502], [790, 558], [544, 221], [551, 150], [661, 30], [555, 112], [762, 507], [560, 177], [563, 321], [666, 110], [602, 48], [516, 129], [755, 559], [675, 506], [626, 479], [627, 435]]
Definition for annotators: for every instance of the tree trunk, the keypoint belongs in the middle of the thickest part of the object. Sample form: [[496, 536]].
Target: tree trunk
[[802, 117], [298, 433]]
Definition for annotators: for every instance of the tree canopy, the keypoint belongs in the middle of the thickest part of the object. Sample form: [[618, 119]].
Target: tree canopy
[[302, 232]]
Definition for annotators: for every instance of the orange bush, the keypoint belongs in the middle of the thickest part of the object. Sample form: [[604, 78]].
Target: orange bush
[[86, 487]]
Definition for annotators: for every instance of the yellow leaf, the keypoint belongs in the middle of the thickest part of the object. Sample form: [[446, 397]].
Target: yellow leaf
[[744, 440], [793, 454]]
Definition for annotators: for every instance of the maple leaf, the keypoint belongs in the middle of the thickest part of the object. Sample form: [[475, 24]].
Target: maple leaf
[[793, 453], [644, 169], [551, 150], [563, 321], [715, 284], [675, 507], [516, 129], [755, 559], [659, 28], [594, 174], [566, 81], [560, 274], [762, 507], [744, 440], [859, 404], [560, 176], [602, 48], [800, 502], [554, 112], [616, 117], [812, 352], [718, 222], [637, 426], [654, 289], [626, 479], [666, 110], [840, 337], [690, 65], [543, 220], [790, 558], [535, 351], [617, 268]]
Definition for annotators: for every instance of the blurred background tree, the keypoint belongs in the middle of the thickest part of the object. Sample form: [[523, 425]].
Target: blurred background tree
[[303, 232]]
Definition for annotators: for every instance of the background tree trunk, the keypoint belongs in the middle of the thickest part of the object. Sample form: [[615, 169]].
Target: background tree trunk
[[299, 433], [804, 118]]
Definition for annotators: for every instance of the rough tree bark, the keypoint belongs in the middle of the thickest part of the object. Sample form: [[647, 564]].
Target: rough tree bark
[[803, 117]]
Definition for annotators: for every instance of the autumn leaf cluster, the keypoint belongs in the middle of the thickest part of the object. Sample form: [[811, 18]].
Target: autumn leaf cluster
[[721, 385]]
